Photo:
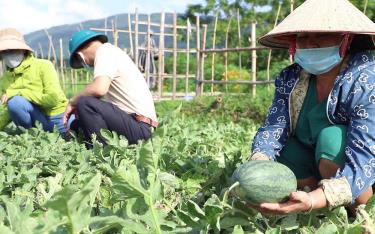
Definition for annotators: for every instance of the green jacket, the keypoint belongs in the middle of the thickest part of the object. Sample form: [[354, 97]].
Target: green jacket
[[37, 81]]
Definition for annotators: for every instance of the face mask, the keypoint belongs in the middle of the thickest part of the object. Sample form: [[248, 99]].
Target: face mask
[[84, 64], [13, 59], [318, 61]]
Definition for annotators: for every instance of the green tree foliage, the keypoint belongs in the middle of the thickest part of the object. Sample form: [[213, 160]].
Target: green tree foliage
[[263, 12]]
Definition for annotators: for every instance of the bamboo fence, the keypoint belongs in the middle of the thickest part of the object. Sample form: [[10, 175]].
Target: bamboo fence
[[195, 43]]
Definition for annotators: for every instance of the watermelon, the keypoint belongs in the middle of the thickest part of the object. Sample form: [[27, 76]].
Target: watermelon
[[264, 181]]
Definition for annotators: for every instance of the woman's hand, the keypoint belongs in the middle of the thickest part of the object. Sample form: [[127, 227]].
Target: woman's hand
[[4, 99], [298, 202], [70, 109]]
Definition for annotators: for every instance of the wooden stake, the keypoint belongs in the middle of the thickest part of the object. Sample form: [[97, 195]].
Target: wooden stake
[[187, 58], [253, 57], [62, 76], [203, 55], [198, 78], [365, 8], [114, 32], [136, 37], [41, 50], [130, 36], [239, 42], [291, 10], [174, 55], [105, 25], [270, 51], [226, 53], [161, 56], [148, 62], [51, 47], [213, 55]]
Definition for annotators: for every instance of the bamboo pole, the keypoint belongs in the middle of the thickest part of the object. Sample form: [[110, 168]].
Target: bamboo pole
[[51, 48], [41, 50], [291, 5], [247, 82], [291, 10], [239, 42], [270, 51], [127, 31], [148, 62], [187, 58], [226, 53], [174, 86], [213, 55], [105, 25], [203, 55], [161, 55], [198, 38], [253, 57], [210, 51], [130, 37], [365, 7], [114, 32], [136, 31], [71, 77], [165, 25], [75, 81], [62, 76]]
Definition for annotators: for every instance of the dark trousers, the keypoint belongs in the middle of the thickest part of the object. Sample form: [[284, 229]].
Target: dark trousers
[[95, 114]]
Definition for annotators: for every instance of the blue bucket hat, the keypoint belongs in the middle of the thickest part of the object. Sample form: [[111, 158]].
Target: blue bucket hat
[[79, 39]]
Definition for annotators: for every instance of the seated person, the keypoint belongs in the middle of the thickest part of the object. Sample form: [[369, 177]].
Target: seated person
[[30, 88]]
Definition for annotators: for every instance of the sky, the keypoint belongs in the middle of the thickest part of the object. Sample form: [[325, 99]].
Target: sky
[[31, 15]]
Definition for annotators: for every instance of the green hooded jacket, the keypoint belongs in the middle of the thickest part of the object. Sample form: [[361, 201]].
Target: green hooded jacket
[[37, 81]]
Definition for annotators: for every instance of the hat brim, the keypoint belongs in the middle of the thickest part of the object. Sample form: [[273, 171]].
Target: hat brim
[[319, 16], [13, 45], [74, 60], [282, 40]]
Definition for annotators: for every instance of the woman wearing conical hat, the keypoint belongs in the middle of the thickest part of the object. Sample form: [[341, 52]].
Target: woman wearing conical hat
[[30, 89], [322, 120]]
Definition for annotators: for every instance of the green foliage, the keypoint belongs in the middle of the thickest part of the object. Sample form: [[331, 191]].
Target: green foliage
[[175, 183]]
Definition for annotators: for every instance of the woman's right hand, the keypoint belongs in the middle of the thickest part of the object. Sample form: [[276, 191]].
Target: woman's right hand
[[258, 156], [70, 109], [4, 99]]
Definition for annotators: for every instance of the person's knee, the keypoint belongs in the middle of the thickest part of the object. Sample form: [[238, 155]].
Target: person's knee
[[17, 103], [331, 144], [85, 101]]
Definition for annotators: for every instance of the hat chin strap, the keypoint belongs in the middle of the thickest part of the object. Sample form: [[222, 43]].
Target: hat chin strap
[[345, 44], [292, 47]]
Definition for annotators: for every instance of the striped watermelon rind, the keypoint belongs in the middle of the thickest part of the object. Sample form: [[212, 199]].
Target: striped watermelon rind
[[264, 182]]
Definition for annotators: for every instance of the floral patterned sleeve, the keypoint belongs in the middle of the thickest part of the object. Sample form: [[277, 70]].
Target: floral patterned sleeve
[[359, 170], [272, 136]]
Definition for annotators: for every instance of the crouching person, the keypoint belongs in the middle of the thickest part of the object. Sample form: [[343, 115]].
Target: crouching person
[[128, 108], [30, 88]]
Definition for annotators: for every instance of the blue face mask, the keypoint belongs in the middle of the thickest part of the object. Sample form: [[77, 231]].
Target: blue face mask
[[318, 61]]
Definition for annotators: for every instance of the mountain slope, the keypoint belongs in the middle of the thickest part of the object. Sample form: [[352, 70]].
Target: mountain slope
[[38, 40]]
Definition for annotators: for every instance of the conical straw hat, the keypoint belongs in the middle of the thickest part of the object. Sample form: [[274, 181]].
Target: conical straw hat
[[329, 16], [11, 39]]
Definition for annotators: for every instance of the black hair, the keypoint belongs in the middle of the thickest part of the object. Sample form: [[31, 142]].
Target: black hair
[[361, 43]]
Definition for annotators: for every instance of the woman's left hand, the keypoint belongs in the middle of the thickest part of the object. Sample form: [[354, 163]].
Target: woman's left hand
[[298, 202]]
